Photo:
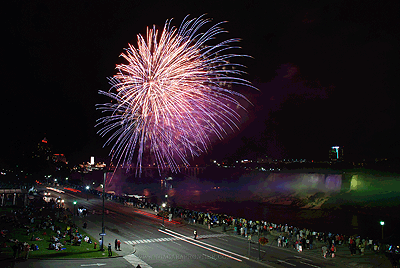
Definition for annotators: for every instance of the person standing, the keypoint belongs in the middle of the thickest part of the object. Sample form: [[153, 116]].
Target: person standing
[[15, 248], [26, 250], [195, 234], [352, 246], [333, 250], [119, 245], [324, 250], [109, 250], [116, 244]]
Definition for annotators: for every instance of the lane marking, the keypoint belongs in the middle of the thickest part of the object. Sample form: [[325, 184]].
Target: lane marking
[[233, 253], [302, 258], [152, 240], [132, 259], [209, 256], [176, 243], [287, 262], [312, 265], [257, 249], [183, 239]]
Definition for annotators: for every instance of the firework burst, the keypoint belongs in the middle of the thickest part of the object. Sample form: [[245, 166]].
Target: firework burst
[[170, 97]]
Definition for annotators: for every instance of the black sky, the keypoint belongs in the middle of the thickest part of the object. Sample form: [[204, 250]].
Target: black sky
[[327, 73]]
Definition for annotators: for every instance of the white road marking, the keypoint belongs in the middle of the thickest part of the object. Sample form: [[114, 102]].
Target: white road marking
[[148, 231], [167, 239], [197, 244], [260, 249], [207, 244], [209, 257], [94, 264], [176, 243], [287, 262], [312, 265], [197, 241], [302, 258], [132, 259]]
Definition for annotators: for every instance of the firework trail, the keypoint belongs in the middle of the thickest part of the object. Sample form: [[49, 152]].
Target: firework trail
[[169, 98]]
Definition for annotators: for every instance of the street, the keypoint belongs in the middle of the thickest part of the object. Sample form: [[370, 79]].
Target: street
[[145, 242]]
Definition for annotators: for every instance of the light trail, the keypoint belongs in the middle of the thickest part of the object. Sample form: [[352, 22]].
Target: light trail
[[198, 245], [208, 244]]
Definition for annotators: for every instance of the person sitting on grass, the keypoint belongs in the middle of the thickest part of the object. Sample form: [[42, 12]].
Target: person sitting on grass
[[4, 233], [59, 246], [34, 247], [77, 241], [33, 238]]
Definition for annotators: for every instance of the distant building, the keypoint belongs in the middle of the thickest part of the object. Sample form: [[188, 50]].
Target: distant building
[[59, 158], [336, 154], [43, 150]]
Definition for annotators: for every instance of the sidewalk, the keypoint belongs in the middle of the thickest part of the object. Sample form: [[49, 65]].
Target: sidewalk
[[94, 229], [343, 257]]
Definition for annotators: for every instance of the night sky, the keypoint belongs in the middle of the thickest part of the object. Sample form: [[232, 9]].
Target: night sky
[[327, 73]]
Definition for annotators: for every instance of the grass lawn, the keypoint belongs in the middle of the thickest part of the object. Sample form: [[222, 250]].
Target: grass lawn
[[85, 250]]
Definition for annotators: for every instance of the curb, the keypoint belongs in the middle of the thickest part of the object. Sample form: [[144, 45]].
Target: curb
[[338, 260], [66, 259]]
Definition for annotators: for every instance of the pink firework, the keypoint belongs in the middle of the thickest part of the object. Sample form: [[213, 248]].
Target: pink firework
[[172, 95]]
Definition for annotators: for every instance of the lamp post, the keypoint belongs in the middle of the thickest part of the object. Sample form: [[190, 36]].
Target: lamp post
[[74, 211], [382, 223], [166, 201], [87, 192], [102, 219], [163, 206]]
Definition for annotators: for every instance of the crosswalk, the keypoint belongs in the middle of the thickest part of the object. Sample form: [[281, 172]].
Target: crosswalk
[[169, 239], [134, 260]]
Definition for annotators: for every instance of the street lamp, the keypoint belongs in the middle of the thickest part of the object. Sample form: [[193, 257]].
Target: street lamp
[[74, 211], [163, 206], [382, 223], [102, 218], [87, 192]]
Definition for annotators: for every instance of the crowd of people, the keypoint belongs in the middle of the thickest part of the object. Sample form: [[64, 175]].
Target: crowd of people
[[285, 235], [39, 221]]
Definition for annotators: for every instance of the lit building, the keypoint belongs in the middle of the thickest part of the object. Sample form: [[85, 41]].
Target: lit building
[[59, 158], [43, 150], [336, 153]]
